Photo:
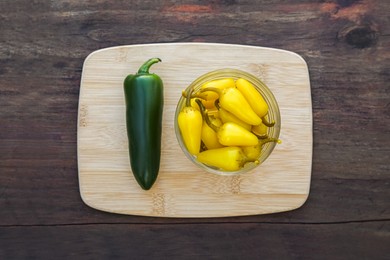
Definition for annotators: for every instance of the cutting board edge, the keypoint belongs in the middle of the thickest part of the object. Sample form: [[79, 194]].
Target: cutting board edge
[[203, 216], [97, 207], [196, 43]]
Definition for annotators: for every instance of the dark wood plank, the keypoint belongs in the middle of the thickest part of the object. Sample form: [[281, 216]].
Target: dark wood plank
[[42, 48], [39, 113], [217, 241], [51, 197]]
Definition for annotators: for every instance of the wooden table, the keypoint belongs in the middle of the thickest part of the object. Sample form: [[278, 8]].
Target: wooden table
[[43, 45]]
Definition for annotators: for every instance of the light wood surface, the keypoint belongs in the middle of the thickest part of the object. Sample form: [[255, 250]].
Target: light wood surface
[[106, 182]]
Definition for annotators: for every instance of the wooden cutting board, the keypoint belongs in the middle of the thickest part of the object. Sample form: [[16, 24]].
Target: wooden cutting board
[[281, 183]]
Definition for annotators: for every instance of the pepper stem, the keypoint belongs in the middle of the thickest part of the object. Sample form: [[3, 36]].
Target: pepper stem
[[206, 116], [265, 122], [269, 140], [216, 104], [217, 90], [264, 136], [144, 69], [187, 95]]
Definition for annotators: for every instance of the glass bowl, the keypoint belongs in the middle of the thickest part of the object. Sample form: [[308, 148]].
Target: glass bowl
[[273, 115]]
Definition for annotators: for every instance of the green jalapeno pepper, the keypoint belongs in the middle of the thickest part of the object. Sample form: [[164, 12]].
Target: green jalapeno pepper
[[144, 107]]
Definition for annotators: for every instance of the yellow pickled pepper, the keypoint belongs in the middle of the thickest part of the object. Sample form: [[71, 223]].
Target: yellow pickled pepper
[[219, 84], [190, 124], [212, 111], [226, 116], [233, 101], [207, 103], [194, 104], [254, 98], [253, 152], [230, 158], [209, 136], [209, 97], [252, 95], [260, 130], [230, 134]]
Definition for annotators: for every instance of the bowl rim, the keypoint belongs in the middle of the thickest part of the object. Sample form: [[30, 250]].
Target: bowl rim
[[269, 96]]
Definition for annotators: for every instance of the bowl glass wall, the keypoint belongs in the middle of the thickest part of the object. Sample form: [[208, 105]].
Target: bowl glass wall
[[273, 115]]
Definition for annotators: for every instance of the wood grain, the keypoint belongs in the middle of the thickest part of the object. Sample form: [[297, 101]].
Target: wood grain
[[183, 190], [42, 48], [198, 241]]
